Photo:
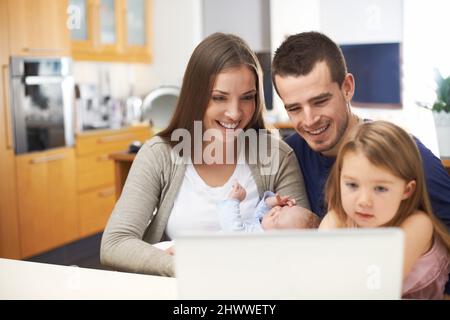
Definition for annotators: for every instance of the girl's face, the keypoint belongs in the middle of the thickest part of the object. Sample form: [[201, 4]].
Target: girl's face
[[370, 195], [233, 101]]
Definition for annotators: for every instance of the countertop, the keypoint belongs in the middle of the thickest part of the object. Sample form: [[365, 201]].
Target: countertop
[[31, 280], [95, 132]]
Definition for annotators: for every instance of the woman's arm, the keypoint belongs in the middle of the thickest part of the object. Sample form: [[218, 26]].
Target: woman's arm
[[418, 230], [122, 246], [289, 180]]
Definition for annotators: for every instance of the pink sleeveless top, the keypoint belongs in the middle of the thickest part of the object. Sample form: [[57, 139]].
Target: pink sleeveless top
[[428, 277]]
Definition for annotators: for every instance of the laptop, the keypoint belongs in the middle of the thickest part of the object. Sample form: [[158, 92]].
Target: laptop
[[293, 264]]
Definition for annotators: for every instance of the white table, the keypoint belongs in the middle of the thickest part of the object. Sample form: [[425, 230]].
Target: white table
[[31, 280]]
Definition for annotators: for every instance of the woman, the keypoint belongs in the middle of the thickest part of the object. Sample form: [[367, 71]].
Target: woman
[[163, 196]]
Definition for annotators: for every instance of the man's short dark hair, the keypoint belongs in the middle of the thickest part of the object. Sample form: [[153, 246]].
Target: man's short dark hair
[[299, 53]]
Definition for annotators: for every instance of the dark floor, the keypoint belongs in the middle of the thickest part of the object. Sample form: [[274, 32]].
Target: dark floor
[[83, 253]]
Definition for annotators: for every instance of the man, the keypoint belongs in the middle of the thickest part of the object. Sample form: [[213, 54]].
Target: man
[[310, 76]]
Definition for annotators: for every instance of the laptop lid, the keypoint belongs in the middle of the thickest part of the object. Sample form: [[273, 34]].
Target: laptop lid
[[294, 264]]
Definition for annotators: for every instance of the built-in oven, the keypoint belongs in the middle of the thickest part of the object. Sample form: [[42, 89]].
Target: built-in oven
[[42, 103]]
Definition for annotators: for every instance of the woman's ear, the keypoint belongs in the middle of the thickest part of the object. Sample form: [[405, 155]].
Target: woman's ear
[[409, 189]]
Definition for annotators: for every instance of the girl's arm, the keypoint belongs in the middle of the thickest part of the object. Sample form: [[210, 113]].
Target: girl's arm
[[418, 230], [330, 221]]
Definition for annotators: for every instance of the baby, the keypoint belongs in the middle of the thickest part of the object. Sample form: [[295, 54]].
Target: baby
[[272, 212]]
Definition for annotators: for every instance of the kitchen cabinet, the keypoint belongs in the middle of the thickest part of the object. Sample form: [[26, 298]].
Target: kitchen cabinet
[[111, 30], [46, 187], [38, 28], [95, 29], [95, 173], [95, 207], [137, 30], [9, 223]]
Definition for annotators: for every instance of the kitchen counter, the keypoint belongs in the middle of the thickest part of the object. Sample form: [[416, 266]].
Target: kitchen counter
[[31, 280], [106, 131], [446, 162], [122, 165]]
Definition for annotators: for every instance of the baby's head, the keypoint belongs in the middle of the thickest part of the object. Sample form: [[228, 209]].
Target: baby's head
[[289, 217]]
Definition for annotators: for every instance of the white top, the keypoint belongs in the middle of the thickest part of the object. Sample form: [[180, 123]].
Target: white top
[[195, 207], [31, 280]]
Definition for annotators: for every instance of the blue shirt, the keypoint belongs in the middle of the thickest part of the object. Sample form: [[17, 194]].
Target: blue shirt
[[231, 220]]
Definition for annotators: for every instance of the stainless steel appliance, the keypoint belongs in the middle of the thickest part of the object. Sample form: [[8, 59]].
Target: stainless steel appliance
[[159, 105], [91, 114], [42, 103]]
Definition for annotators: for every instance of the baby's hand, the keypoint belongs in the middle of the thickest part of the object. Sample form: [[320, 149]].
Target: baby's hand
[[170, 250], [237, 192], [280, 201]]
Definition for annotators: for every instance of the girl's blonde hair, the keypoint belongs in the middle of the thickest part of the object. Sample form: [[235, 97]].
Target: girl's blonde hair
[[390, 147]]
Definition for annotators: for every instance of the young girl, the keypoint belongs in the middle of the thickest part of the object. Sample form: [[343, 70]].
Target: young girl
[[378, 181]]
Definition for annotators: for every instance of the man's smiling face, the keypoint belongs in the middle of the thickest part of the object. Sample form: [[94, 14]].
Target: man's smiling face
[[317, 106]]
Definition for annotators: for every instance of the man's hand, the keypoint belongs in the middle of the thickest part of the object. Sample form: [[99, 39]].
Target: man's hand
[[280, 201], [237, 192]]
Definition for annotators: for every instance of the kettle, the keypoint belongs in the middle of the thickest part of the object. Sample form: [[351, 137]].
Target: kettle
[[159, 105]]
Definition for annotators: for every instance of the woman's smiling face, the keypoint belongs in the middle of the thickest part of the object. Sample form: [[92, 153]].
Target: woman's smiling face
[[233, 101]]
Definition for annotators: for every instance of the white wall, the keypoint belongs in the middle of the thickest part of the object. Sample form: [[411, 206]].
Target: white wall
[[353, 22], [289, 17], [249, 19], [177, 29], [426, 46]]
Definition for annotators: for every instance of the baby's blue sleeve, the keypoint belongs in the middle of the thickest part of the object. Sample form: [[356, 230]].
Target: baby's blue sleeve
[[231, 220], [262, 208], [229, 215]]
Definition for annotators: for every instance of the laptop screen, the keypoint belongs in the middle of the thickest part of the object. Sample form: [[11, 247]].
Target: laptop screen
[[293, 264]]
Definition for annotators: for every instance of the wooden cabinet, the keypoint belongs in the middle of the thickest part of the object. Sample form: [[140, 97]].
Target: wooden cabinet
[[446, 163], [95, 173], [46, 187], [137, 30], [38, 27], [110, 30], [95, 207], [9, 223]]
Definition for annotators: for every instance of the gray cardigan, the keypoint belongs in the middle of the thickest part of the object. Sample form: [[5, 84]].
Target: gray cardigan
[[140, 216]]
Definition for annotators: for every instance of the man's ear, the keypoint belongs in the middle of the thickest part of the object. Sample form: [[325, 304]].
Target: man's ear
[[409, 189], [348, 87]]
